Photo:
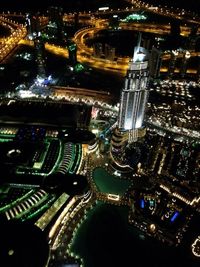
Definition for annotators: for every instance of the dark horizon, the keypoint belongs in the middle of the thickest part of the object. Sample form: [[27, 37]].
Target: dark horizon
[[24, 5]]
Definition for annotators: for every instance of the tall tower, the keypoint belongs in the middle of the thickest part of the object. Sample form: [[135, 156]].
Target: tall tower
[[33, 25], [134, 94], [40, 57], [72, 50], [155, 63], [56, 25]]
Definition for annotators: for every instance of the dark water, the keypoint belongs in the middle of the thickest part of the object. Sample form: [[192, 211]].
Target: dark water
[[106, 239]]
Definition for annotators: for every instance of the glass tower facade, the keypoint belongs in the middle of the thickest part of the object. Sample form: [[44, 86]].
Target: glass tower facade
[[134, 94]]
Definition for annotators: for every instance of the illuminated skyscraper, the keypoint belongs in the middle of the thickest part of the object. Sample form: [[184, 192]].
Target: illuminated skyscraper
[[155, 63], [55, 28], [40, 56], [72, 50], [33, 26], [134, 94]]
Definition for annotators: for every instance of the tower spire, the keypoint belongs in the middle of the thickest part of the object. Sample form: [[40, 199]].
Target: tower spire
[[137, 48]]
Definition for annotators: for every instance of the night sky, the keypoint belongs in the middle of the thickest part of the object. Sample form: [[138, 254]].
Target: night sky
[[86, 4], [187, 4], [66, 4]]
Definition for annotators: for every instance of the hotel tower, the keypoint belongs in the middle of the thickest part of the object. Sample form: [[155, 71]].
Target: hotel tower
[[134, 95]]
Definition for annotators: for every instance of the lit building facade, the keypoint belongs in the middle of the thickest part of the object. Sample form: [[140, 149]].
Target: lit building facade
[[155, 63], [33, 26], [72, 50], [134, 94], [40, 57], [56, 27]]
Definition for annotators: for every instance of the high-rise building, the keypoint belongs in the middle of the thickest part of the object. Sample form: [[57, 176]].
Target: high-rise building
[[98, 50], [172, 63], [109, 52], [72, 50], [55, 28], [184, 63], [155, 63], [33, 25], [40, 57], [134, 94]]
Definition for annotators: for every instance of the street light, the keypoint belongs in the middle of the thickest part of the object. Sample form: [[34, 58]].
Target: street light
[[187, 55]]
